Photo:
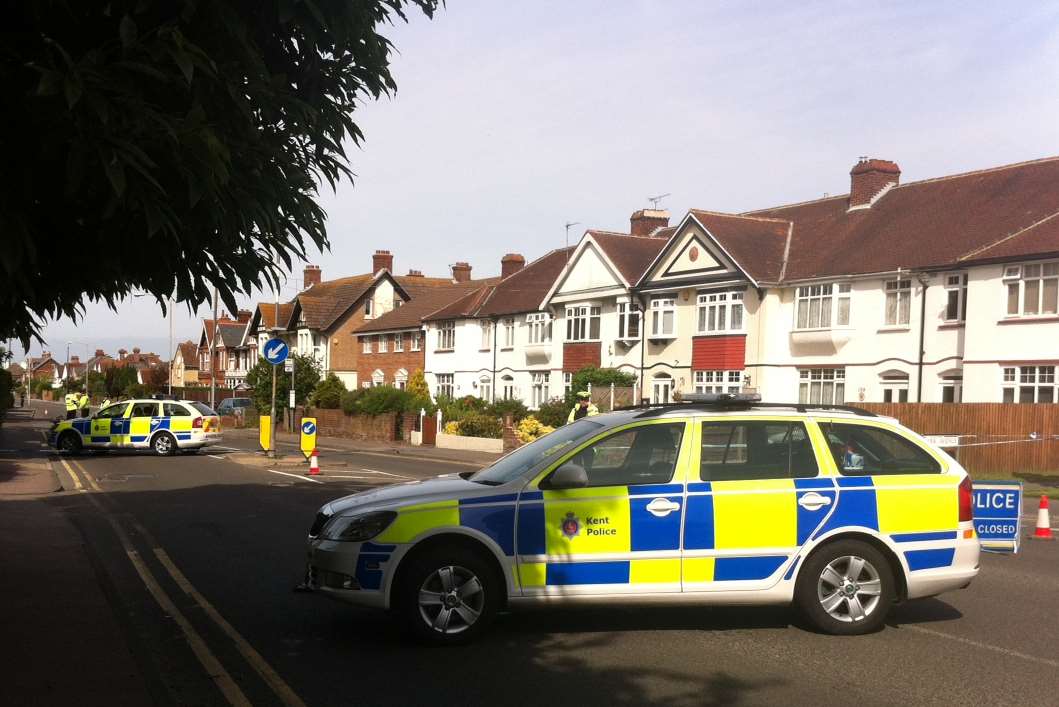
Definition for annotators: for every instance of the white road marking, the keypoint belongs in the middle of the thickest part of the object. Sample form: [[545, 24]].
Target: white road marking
[[385, 473], [295, 476], [214, 456], [77, 481], [985, 646]]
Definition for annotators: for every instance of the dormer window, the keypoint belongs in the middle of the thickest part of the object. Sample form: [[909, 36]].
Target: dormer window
[[818, 306]]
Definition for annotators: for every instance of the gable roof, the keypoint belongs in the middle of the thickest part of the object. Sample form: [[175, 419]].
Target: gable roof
[[189, 353], [757, 244], [230, 333], [632, 255], [426, 298], [265, 316], [997, 213]]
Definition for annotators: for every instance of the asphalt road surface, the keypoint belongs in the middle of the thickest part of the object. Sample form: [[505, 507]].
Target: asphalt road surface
[[225, 543]]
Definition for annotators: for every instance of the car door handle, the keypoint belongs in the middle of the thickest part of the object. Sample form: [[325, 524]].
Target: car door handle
[[813, 501], [661, 507]]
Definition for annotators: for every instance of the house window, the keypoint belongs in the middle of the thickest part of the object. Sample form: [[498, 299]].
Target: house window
[[628, 321], [509, 333], [817, 306], [447, 336], [1029, 384], [898, 302], [400, 379], [720, 311], [487, 335], [539, 390], [663, 317], [398, 342], [956, 297], [415, 340], [485, 388], [507, 387], [718, 381], [369, 304], [1032, 289], [822, 386], [378, 378], [382, 343], [952, 389], [539, 325], [445, 385], [895, 387], [582, 323], [568, 383]]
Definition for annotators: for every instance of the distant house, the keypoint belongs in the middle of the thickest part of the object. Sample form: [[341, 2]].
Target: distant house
[[185, 364]]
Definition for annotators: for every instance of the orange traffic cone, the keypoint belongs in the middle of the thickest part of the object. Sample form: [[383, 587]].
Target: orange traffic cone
[[314, 464], [1044, 524]]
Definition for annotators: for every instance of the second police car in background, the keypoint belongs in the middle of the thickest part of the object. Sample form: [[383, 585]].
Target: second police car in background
[[835, 510], [163, 426]]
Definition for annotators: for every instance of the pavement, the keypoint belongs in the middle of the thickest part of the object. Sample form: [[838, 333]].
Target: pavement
[[171, 579]]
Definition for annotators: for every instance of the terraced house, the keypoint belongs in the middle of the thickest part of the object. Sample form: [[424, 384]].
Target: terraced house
[[939, 290]]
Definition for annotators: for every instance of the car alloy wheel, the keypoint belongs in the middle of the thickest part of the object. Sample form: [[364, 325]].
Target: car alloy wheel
[[163, 445], [451, 599], [849, 588]]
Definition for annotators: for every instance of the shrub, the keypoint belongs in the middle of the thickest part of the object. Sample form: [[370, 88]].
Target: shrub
[[382, 399], [531, 429], [512, 407], [417, 385], [349, 400], [598, 378], [553, 413], [451, 428], [458, 408], [134, 390], [481, 425], [328, 393]]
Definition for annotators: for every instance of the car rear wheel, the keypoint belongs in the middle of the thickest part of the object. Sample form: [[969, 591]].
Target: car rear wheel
[[69, 442], [846, 588], [163, 444], [449, 595]]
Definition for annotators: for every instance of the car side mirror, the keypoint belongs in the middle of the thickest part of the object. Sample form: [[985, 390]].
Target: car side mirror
[[569, 476]]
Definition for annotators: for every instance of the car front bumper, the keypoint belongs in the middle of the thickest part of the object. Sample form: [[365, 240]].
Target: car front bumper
[[356, 573]]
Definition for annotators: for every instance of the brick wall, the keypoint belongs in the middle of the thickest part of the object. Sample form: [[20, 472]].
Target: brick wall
[[391, 361], [718, 353], [345, 349], [335, 423], [578, 355]]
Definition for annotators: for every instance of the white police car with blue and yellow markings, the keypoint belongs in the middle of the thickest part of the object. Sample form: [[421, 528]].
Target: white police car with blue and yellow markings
[[731, 502], [163, 426]]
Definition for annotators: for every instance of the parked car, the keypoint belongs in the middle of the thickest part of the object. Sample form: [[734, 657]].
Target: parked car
[[835, 510], [234, 406], [163, 426]]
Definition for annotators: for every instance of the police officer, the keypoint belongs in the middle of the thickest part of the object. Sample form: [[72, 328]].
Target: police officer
[[71, 405], [105, 404], [584, 407], [83, 403]]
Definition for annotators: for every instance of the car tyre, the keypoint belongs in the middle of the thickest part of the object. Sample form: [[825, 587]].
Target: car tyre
[[448, 596], [846, 588], [69, 442], [164, 444]]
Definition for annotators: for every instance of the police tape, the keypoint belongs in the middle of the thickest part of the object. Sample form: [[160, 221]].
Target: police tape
[[1034, 437]]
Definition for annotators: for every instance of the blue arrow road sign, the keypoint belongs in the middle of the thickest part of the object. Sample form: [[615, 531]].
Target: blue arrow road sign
[[309, 428], [276, 351]]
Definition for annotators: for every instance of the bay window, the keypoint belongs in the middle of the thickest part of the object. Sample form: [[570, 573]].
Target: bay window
[[539, 325], [582, 323], [817, 306], [898, 302], [628, 321], [720, 311], [822, 386], [663, 317], [1032, 289], [718, 381]]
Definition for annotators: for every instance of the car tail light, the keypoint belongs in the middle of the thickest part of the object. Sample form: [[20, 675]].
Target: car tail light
[[966, 500]]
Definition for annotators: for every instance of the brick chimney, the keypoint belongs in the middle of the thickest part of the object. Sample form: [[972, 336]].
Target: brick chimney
[[136, 349], [511, 264], [461, 272], [415, 273], [311, 276], [868, 179], [121, 354], [100, 353], [383, 259], [244, 315], [646, 221]]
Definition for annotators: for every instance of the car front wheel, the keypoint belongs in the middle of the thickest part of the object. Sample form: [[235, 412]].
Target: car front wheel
[[846, 588], [69, 442], [163, 444]]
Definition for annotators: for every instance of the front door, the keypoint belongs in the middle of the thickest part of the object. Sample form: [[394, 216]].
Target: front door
[[141, 416], [757, 500], [107, 426], [662, 391], [620, 533]]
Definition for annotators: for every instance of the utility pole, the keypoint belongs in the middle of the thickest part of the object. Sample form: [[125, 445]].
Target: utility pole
[[171, 347], [213, 364]]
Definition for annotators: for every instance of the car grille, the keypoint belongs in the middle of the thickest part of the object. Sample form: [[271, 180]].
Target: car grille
[[319, 523]]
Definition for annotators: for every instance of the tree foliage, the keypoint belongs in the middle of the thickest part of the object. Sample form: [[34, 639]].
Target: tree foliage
[[259, 379], [328, 393], [179, 144], [598, 378]]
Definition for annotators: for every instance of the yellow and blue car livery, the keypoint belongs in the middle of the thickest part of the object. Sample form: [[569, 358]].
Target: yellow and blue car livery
[[140, 424], [693, 530]]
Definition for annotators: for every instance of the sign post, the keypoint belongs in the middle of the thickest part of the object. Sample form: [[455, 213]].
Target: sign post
[[288, 367], [264, 432], [997, 515], [275, 352], [308, 440]]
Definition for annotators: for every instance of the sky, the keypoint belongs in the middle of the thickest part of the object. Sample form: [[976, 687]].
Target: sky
[[512, 119]]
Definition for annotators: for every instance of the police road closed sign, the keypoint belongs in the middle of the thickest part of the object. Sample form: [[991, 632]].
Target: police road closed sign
[[997, 512], [308, 437]]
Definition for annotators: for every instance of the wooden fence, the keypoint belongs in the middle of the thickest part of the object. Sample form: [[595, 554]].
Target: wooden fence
[[994, 437]]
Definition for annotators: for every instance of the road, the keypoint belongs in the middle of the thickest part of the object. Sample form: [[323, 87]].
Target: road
[[224, 542]]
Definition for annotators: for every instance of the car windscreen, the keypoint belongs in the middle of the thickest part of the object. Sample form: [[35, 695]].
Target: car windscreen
[[203, 408], [535, 454]]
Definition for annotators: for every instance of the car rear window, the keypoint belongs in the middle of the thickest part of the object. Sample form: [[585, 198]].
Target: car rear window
[[864, 450], [175, 410], [203, 408]]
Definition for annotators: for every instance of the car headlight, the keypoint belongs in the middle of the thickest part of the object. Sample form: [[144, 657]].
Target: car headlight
[[358, 528]]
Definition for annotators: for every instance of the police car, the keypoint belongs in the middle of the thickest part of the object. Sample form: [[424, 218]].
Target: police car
[[163, 426], [717, 500]]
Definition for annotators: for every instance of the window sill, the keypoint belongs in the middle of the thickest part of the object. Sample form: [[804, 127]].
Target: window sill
[[440, 351], [952, 325], [508, 348], [733, 332], [582, 341], [484, 350], [812, 330], [1029, 319], [661, 337], [893, 329]]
